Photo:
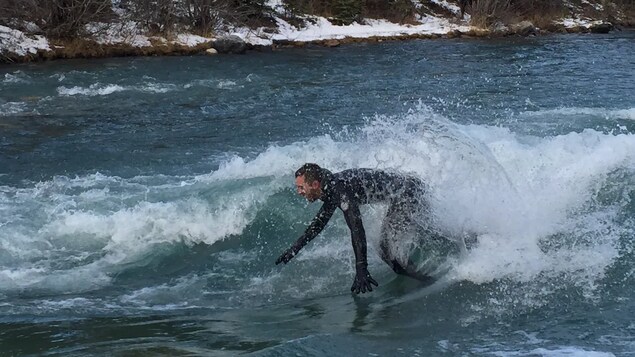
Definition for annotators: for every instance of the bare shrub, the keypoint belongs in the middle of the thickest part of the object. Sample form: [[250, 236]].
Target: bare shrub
[[206, 16], [487, 12], [342, 12], [345, 12], [14, 11], [431, 7], [620, 11], [60, 19], [251, 13], [156, 16], [348, 11], [401, 11], [67, 18], [463, 5], [541, 13], [313, 7]]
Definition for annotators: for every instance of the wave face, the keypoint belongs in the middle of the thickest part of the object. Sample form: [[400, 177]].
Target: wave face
[[148, 203], [544, 209]]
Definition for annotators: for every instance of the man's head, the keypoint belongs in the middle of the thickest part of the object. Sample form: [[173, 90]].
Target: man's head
[[308, 181]]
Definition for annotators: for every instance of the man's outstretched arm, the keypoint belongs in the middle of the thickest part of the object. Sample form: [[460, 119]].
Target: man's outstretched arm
[[317, 225], [363, 281]]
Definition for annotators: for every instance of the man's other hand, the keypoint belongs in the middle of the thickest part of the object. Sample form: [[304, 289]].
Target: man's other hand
[[363, 282]]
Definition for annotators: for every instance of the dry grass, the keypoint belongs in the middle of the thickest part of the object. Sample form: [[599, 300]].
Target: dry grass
[[347, 11], [620, 11], [485, 13], [78, 48], [399, 11], [311, 7], [431, 7], [541, 13]]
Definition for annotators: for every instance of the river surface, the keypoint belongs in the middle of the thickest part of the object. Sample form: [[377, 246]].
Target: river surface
[[143, 201]]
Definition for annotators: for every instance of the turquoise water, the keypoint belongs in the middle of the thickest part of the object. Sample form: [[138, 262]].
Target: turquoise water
[[143, 201]]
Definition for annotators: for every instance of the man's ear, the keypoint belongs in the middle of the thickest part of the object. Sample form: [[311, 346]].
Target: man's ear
[[315, 184]]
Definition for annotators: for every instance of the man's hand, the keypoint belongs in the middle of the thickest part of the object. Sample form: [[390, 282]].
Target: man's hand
[[363, 282], [287, 255]]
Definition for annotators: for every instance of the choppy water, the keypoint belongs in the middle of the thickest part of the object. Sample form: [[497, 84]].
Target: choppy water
[[143, 201]]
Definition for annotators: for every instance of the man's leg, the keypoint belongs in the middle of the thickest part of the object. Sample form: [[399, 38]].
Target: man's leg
[[397, 222]]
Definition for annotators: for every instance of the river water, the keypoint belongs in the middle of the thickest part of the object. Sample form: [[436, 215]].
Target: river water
[[143, 201]]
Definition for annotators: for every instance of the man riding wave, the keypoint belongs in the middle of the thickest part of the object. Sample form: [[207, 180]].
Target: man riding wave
[[349, 189]]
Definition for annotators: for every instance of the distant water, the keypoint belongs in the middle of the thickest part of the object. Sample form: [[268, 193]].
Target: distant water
[[143, 201]]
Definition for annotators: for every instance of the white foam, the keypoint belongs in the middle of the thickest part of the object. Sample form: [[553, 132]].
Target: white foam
[[556, 178], [94, 90], [16, 77], [75, 280], [12, 108], [89, 234], [60, 77], [226, 84], [162, 297], [73, 303], [99, 89], [137, 229], [157, 88], [20, 277], [628, 114], [564, 351]]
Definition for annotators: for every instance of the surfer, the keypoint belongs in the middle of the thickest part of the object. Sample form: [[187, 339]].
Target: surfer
[[349, 189]]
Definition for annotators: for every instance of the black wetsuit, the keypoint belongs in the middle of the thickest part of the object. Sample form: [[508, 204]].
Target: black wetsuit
[[349, 189]]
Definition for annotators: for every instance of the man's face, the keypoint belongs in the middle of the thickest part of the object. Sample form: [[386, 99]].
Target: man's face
[[311, 191]]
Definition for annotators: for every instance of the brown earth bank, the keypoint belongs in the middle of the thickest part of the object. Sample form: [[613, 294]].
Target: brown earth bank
[[80, 48]]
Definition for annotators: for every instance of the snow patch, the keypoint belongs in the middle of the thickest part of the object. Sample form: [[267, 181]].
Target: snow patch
[[322, 29], [452, 7], [598, 7], [276, 5], [191, 40], [579, 22], [17, 42]]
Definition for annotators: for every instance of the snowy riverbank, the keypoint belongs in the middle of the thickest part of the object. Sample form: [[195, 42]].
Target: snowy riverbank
[[127, 39]]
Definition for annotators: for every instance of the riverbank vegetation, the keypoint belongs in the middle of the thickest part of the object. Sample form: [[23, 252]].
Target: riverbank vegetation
[[543, 13], [67, 19], [75, 27]]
